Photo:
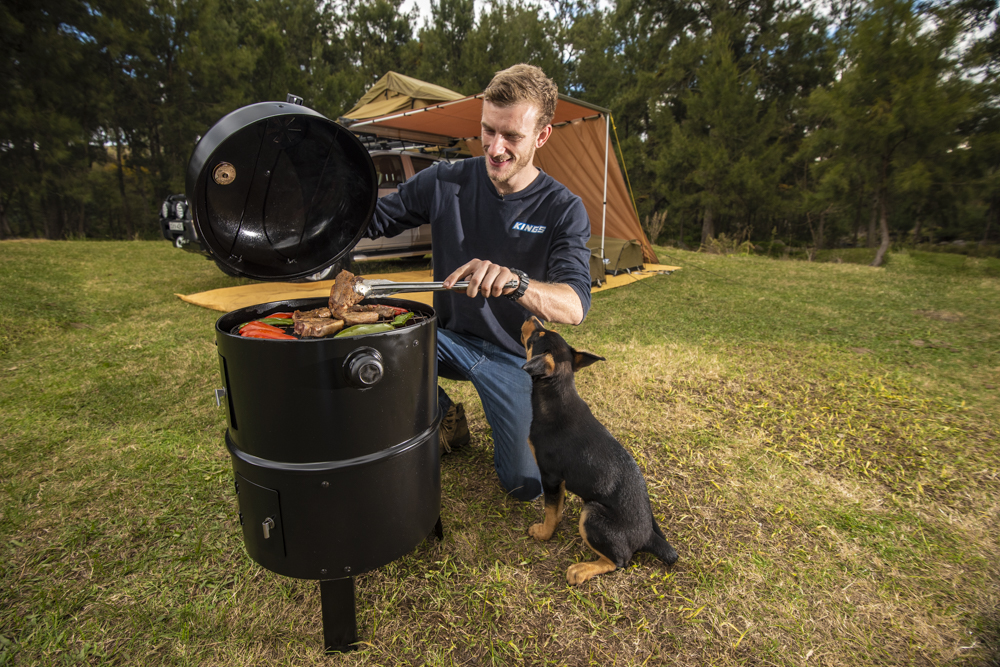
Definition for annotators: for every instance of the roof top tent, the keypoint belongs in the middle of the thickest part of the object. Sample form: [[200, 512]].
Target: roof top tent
[[577, 154], [398, 92]]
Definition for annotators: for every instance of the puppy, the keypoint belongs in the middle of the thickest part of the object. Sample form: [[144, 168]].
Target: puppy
[[574, 451]]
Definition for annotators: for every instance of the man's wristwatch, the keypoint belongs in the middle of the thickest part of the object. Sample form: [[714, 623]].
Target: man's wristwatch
[[522, 285]]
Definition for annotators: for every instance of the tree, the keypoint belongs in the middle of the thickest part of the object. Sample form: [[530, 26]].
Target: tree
[[47, 77], [462, 52], [444, 44], [378, 38], [724, 155], [896, 108]]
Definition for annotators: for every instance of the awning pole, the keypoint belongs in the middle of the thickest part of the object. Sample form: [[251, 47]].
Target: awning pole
[[604, 210]]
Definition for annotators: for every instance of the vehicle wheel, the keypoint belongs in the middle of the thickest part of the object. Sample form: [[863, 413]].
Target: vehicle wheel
[[342, 264], [225, 269], [319, 275]]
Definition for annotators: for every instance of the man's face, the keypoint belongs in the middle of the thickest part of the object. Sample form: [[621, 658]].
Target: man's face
[[510, 138]]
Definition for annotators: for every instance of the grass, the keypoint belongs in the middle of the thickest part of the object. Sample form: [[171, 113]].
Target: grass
[[819, 441]]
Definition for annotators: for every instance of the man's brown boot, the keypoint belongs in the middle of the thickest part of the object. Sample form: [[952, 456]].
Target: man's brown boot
[[454, 431]]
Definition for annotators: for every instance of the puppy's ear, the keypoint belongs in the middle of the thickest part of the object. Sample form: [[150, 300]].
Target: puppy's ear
[[582, 359], [540, 365]]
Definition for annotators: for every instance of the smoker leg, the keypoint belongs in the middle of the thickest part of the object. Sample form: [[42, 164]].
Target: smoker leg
[[439, 530], [340, 627]]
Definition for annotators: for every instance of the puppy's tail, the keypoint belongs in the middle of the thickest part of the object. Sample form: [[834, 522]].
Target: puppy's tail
[[659, 547]]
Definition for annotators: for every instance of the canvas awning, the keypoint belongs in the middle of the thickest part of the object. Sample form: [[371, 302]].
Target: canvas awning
[[578, 154]]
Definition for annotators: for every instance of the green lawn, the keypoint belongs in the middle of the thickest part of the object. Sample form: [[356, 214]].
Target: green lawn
[[819, 441]]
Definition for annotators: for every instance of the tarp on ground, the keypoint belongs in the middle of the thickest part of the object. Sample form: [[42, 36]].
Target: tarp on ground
[[395, 92], [578, 154], [227, 299]]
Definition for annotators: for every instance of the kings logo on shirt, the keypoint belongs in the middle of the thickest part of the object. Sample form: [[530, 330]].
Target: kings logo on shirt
[[525, 227]]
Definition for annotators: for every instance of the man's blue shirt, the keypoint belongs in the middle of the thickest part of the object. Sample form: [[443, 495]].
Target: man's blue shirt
[[542, 230]]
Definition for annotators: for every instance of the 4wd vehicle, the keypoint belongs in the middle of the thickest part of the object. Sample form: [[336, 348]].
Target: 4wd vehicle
[[393, 166]]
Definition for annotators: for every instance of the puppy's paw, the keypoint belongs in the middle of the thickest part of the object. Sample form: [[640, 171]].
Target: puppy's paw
[[540, 531], [579, 573]]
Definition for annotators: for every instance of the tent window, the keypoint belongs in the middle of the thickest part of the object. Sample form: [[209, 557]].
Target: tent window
[[420, 163], [390, 171]]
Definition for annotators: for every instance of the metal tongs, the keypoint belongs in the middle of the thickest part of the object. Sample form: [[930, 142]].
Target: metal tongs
[[379, 287]]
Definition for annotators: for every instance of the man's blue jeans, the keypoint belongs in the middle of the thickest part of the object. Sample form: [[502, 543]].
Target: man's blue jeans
[[505, 390]]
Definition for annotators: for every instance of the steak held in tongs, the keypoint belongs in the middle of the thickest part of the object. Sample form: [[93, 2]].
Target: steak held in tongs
[[344, 294], [343, 299]]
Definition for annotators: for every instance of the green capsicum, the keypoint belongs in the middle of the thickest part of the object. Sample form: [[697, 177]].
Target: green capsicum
[[364, 330], [400, 320]]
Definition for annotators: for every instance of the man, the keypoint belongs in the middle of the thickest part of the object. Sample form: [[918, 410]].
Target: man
[[494, 220]]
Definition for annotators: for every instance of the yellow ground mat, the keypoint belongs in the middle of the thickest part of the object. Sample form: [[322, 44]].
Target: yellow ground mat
[[233, 298]]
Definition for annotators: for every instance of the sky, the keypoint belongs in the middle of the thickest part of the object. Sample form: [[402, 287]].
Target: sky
[[423, 10]]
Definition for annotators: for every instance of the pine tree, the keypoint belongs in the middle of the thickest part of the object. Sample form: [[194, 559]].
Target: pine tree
[[895, 110]]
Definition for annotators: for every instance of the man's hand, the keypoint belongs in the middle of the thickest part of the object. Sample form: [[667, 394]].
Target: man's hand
[[552, 302], [484, 278]]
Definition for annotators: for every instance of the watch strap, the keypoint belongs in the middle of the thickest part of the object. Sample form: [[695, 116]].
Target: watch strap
[[522, 285]]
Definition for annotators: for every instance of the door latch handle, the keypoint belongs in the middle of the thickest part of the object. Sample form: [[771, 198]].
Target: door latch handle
[[268, 526]]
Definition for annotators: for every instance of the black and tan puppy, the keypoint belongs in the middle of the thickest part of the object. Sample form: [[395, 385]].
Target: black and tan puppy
[[575, 452]]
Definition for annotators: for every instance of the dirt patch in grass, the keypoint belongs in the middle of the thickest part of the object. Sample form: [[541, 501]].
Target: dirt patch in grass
[[941, 315]]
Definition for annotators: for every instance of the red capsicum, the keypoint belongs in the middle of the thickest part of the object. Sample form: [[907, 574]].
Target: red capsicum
[[261, 330], [269, 335], [259, 325]]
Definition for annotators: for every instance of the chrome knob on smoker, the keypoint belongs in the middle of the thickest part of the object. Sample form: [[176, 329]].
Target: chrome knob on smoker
[[364, 367]]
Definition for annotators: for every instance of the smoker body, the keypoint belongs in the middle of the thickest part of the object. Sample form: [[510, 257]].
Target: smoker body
[[334, 476], [333, 441]]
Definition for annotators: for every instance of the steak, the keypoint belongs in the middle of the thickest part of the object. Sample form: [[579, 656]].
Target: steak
[[317, 327], [343, 296], [352, 317], [311, 314], [383, 311]]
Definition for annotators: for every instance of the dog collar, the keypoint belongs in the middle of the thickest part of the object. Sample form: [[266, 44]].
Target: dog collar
[[522, 285]]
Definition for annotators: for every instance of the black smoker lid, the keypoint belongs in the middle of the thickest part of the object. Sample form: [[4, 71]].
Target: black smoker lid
[[279, 191]]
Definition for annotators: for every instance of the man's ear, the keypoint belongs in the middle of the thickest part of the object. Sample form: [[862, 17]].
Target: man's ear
[[582, 359], [543, 136], [540, 365]]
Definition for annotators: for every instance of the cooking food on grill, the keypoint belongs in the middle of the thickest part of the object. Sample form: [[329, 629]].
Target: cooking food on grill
[[344, 317], [402, 318], [258, 329], [344, 299], [383, 311], [317, 327], [310, 314], [365, 329], [352, 317], [343, 296], [277, 321], [259, 325]]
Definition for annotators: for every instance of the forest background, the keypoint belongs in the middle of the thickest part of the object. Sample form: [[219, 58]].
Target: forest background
[[779, 123]]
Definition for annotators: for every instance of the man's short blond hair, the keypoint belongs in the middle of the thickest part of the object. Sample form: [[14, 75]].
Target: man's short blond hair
[[524, 83]]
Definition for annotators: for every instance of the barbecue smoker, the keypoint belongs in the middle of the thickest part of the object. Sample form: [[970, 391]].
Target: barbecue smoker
[[334, 442]]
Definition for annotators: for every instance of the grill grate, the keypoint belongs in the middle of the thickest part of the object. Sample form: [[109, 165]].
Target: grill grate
[[417, 318]]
